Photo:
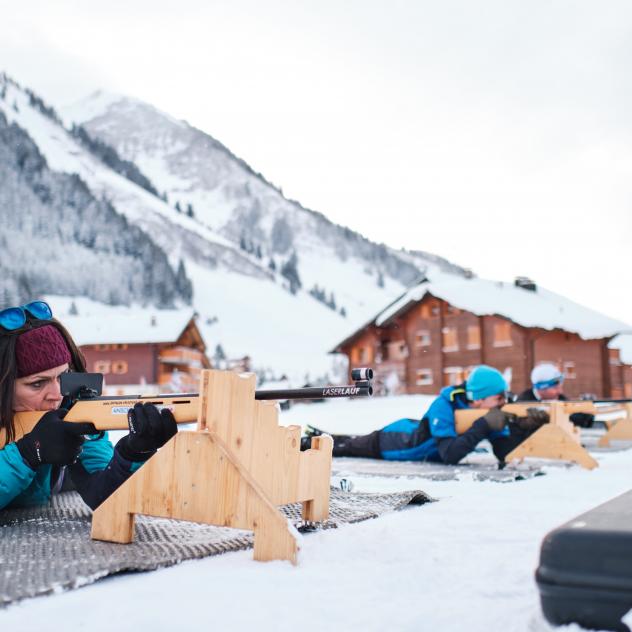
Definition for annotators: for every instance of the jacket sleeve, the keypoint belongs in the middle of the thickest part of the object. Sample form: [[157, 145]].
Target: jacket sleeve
[[453, 449], [440, 418], [99, 471], [15, 474]]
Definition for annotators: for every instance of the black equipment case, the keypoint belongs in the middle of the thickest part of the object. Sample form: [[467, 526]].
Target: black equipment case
[[585, 571]]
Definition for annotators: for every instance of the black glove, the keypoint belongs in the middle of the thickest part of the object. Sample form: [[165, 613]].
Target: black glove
[[149, 429], [53, 440], [535, 419], [496, 419], [583, 420]]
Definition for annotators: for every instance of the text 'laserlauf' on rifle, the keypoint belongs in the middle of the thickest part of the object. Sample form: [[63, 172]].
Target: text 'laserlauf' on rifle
[[82, 397]]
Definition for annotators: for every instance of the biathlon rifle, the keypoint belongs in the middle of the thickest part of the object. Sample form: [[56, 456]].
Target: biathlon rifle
[[83, 399], [464, 418]]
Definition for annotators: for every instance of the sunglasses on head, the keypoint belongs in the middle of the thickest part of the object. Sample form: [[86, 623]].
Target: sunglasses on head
[[15, 317]]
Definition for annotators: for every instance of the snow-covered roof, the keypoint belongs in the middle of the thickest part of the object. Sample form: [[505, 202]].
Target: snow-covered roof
[[624, 344], [540, 308], [96, 323]]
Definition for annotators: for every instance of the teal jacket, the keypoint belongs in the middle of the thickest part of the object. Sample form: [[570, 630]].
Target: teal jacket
[[99, 470]]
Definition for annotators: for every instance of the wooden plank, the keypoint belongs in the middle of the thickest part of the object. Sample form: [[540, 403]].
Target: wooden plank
[[620, 431], [314, 479], [552, 442]]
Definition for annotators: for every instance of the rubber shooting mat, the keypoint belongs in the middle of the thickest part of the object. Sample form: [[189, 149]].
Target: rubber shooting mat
[[48, 549]]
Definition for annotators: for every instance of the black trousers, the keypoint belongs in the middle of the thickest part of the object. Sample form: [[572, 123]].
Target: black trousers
[[358, 445]]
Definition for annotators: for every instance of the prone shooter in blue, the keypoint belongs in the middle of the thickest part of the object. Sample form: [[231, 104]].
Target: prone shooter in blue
[[434, 437]]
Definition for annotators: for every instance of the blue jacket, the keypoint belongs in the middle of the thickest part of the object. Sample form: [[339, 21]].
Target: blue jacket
[[99, 470], [434, 438]]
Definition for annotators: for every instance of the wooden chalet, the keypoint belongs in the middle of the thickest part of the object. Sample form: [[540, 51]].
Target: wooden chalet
[[620, 349], [149, 352], [438, 330]]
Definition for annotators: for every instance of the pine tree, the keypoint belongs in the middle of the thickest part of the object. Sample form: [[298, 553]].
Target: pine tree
[[183, 283], [178, 207], [290, 271]]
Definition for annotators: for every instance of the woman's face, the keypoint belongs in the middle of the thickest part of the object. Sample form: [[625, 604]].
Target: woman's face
[[39, 391]]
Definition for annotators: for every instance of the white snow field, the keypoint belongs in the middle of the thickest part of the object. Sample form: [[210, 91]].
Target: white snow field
[[465, 562]]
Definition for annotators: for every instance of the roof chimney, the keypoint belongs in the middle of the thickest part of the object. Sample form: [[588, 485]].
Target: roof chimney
[[525, 283]]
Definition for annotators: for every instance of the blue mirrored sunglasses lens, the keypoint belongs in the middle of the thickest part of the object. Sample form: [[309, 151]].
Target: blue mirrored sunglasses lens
[[12, 318], [39, 309]]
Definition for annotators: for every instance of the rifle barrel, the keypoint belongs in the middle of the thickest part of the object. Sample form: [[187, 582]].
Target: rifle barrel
[[320, 392]]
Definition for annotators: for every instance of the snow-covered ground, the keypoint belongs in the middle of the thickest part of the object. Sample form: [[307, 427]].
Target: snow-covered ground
[[466, 562]]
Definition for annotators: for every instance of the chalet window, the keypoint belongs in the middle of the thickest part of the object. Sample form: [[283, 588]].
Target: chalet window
[[101, 347], [450, 341], [355, 355], [101, 366], [422, 338], [397, 350], [434, 311], [502, 335], [423, 377], [569, 371], [450, 309], [473, 337], [424, 311], [119, 367], [365, 355], [453, 375], [121, 347]]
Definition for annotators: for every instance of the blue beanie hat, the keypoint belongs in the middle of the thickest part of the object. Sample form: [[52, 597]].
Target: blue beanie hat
[[484, 381]]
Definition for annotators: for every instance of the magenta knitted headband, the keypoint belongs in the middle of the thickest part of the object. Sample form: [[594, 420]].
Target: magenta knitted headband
[[40, 349]]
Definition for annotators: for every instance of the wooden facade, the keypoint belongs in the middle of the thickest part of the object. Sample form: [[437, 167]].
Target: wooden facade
[[167, 367], [431, 344], [620, 376]]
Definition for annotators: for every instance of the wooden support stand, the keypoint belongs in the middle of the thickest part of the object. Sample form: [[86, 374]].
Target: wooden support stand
[[559, 439], [233, 471], [619, 431]]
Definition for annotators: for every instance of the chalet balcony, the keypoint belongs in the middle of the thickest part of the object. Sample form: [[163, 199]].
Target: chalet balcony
[[181, 356]]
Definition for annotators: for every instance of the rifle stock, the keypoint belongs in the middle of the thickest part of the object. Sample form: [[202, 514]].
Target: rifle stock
[[465, 418]]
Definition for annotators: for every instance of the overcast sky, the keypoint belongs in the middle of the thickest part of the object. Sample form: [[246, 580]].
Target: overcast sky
[[494, 133]]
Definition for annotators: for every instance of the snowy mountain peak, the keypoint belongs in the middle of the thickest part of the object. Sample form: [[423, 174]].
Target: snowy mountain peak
[[270, 279]]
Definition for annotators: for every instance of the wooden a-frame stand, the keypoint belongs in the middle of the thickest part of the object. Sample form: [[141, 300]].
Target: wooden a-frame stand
[[620, 430], [559, 439], [232, 471]]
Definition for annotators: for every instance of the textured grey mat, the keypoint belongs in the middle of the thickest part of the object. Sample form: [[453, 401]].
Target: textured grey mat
[[48, 549], [480, 467]]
